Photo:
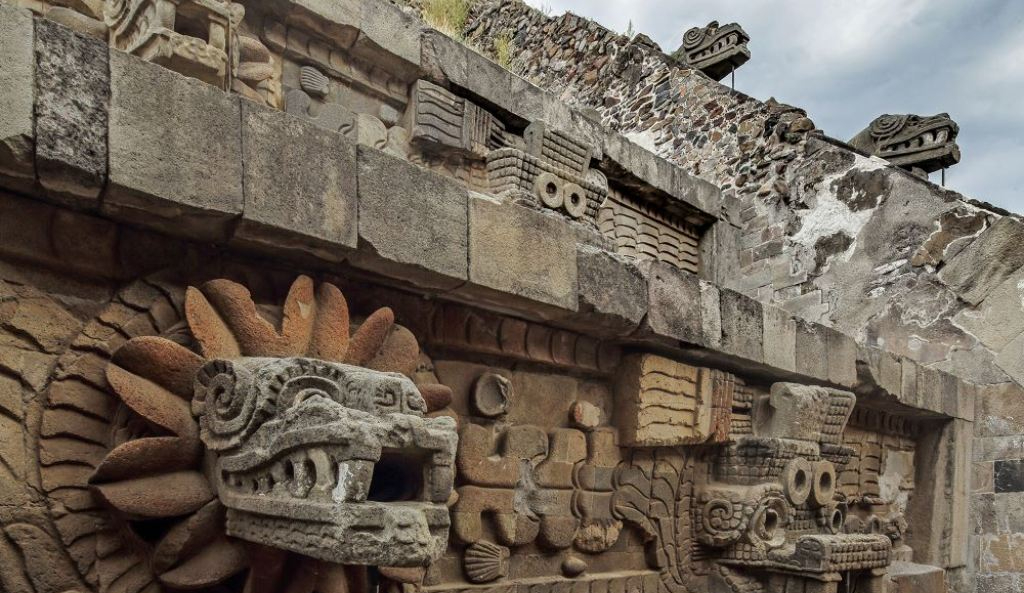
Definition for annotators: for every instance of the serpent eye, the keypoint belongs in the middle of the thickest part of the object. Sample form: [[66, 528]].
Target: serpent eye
[[302, 389]]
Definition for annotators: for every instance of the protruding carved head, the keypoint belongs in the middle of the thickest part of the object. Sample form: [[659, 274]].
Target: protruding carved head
[[911, 141], [311, 452], [714, 50], [308, 439]]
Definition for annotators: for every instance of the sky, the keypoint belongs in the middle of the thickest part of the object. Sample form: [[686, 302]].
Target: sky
[[849, 61]]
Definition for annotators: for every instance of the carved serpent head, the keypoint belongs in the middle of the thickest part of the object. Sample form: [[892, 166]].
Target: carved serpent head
[[308, 439], [911, 141]]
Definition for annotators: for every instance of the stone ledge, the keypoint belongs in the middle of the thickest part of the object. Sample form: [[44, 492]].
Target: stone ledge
[[413, 224], [175, 151], [299, 183]]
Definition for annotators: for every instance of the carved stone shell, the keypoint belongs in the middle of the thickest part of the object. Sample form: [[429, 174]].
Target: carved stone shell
[[314, 82], [485, 562]]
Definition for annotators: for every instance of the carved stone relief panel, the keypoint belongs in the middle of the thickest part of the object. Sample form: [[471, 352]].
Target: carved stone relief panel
[[553, 169], [640, 231], [662, 402], [202, 39], [189, 443]]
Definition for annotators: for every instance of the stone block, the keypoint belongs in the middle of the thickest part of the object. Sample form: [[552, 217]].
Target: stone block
[[961, 399], [881, 368], [779, 339], [908, 380], [1008, 475], [661, 402], [385, 26], [299, 182], [488, 80], [742, 326], [711, 314], [842, 358], [1002, 553], [522, 253], [1000, 317], [1011, 359], [811, 350], [995, 448], [444, 60], [527, 99], [412, 222], [987, 262], [982, 477], [612, 291], [72, 95], [908, 577], [17, 95], [175, 151], [674, 309], [999, 410], [929, 389]]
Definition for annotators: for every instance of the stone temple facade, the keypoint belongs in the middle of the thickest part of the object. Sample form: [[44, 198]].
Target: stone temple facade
[[306, 296]]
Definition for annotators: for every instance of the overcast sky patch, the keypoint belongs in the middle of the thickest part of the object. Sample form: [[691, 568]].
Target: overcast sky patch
[[848, 62]]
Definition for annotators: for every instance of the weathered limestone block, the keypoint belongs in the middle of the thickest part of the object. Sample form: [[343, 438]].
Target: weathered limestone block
[[674, 309], [444, 60], [175, 151], [72, 94], [411, 221], [742, 326], [522, 253], [17, 94], [811, 349], [842, 358], [612, 291], [779, 339], [985, 264], [661, 402], [300, 184]]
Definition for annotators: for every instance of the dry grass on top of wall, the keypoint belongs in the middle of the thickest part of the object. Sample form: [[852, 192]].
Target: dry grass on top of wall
[[448, 16]]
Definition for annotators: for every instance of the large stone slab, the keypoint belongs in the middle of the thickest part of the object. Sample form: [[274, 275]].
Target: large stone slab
[[522, 253], [17, 95], [175, 151], [413, 224], [675, 308], [779, 339], [72, 95], [612, 291], [742, 326], [300, 184], [985, 264]]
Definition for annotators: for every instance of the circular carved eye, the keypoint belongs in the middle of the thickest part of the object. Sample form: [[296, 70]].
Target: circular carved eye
[[693, 37], [887, 125]]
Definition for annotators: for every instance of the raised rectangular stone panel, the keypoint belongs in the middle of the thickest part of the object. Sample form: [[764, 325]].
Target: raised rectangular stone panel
[[17, 93], [412, 219], [175, 150], [72, 96], [663, 403], [300, 184], [522, 252]]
